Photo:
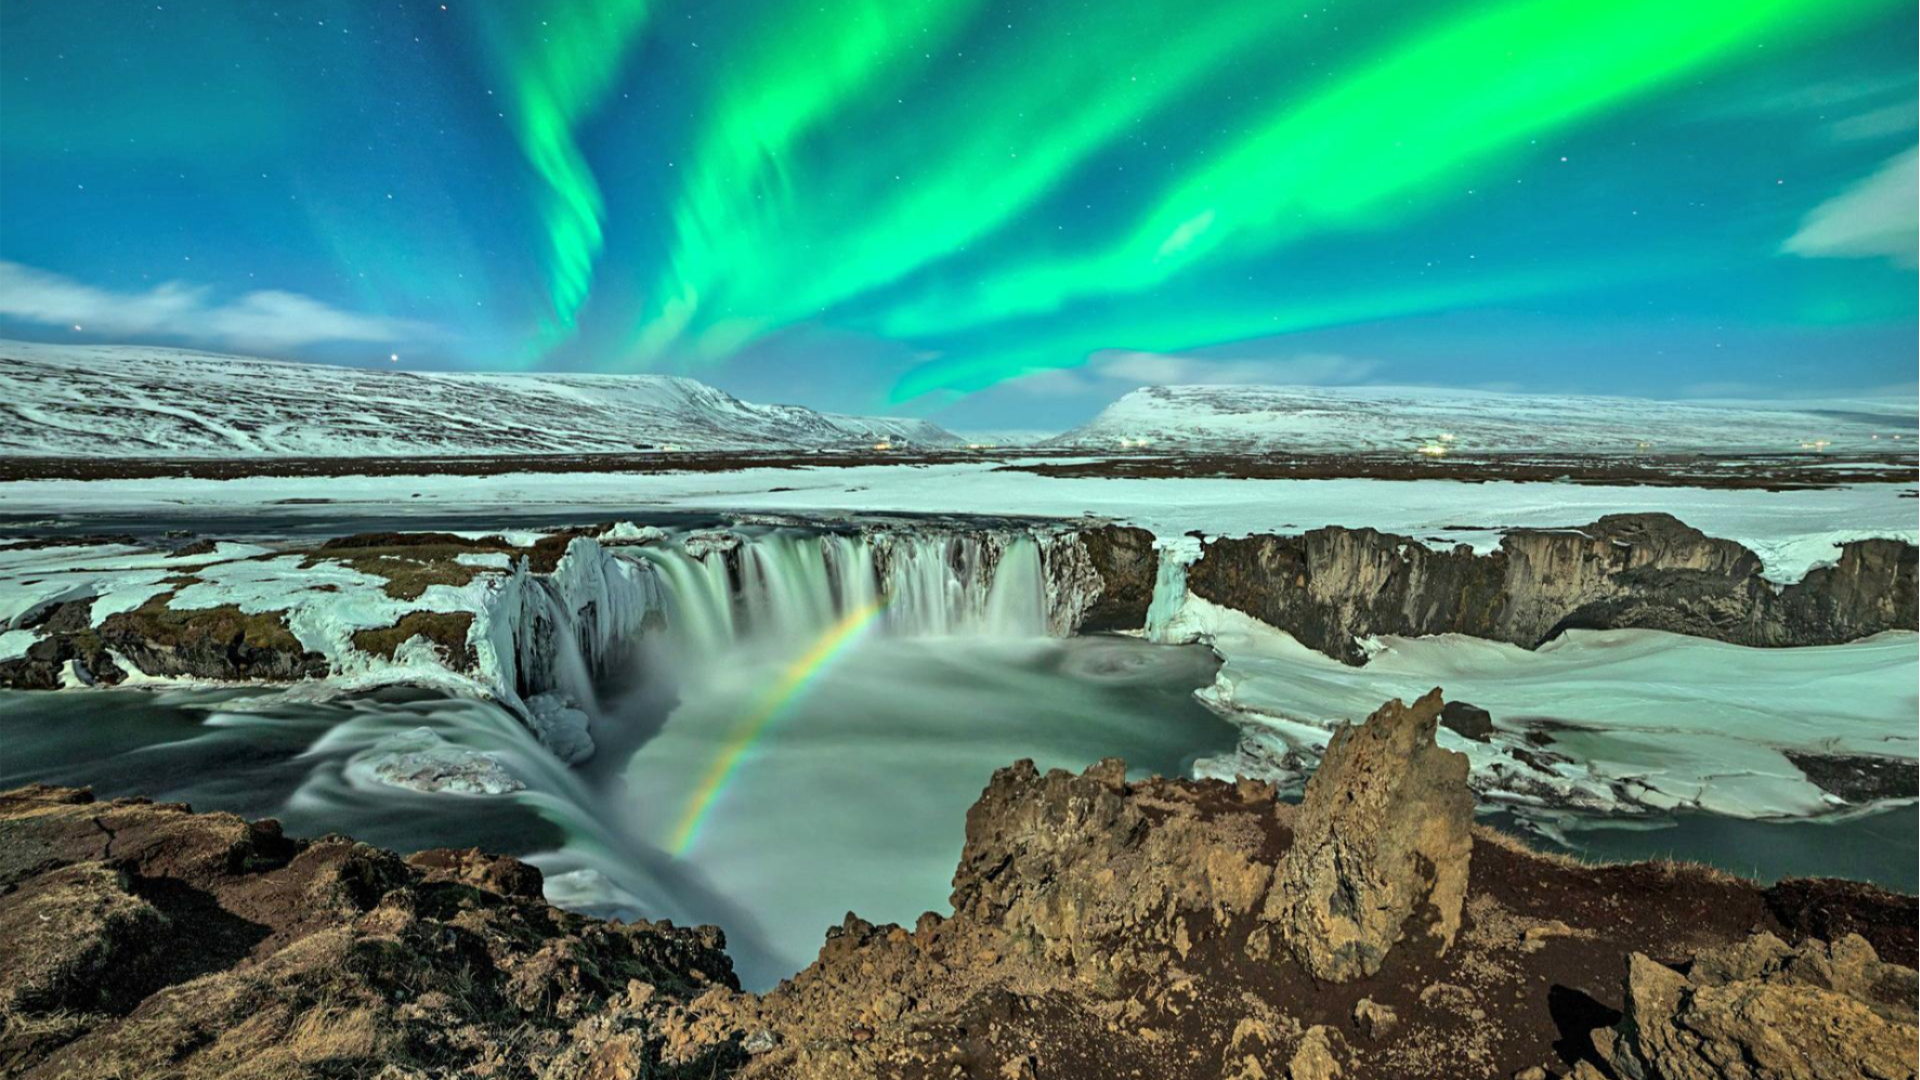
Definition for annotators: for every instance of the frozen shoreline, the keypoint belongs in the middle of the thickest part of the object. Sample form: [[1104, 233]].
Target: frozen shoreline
[[1620, 722]]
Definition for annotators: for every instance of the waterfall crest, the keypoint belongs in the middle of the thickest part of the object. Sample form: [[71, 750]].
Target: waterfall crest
[[550, 640]]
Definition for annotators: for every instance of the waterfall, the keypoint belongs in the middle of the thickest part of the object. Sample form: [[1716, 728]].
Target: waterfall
[[791, 585], [548, 642]]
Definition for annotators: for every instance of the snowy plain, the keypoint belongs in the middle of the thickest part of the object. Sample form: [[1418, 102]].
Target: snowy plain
[[1791, 531]]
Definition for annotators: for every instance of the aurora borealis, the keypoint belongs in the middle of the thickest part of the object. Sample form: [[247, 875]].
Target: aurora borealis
[[970, 208]]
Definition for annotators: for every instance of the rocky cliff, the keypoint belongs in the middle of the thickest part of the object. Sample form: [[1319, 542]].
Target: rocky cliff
[[1100, 928], [1333, 587], [114, 610]]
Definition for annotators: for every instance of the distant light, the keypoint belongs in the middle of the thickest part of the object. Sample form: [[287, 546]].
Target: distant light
[[1433, 449], [77, 326], [395, 357]]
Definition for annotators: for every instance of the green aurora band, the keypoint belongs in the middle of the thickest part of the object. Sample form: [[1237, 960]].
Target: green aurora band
[[859, 203], [1396, 137], [1012, 130], [740, 191], [559, 62]]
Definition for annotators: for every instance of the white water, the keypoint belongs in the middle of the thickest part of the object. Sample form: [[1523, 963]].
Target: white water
[[795, 586], [659, 609], [854, 797]]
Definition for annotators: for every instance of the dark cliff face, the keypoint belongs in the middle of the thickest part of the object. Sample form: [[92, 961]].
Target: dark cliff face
[[1127, 563], [1331, 587]]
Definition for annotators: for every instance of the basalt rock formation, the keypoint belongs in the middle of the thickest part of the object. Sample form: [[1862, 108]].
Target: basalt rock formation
[[1761, 1008], [146, 940], [1102, 927], [1384, 830], [1333, 587], [1126, 562]]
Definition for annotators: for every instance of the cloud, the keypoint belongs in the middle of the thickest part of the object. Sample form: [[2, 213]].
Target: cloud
[[1878, 217], [1107, 369], [267, 319]]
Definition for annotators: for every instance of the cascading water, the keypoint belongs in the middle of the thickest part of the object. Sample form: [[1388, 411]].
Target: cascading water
[[787, 585], [741, 626], [1170, 588], [673, 603]]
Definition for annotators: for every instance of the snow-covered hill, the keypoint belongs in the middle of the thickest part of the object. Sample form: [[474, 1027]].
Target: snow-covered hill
[[136, 401], [1349, 419]]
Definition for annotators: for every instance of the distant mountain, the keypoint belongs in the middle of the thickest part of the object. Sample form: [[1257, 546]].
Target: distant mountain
[[1351, 419], [134, 401]]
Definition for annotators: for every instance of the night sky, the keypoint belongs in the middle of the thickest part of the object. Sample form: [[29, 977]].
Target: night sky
[[988, 212]]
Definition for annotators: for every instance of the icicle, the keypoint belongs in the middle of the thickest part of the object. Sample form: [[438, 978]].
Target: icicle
[[1170, 589]]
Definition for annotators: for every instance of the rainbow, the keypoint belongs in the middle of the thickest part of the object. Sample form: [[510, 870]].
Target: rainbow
[[789, 688]]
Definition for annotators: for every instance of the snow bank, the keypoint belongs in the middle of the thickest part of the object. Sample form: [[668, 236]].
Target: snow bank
[[1624, 721]]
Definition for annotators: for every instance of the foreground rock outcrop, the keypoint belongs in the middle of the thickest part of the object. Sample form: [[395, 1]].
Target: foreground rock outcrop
[[1333, 587], [1101, 928], [1763, 1009], [1385, 829], [146, 940]]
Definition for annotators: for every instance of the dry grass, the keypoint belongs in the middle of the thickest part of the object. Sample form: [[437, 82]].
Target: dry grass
[[1666, 864], [159, 624], [411, 563], [411, 574], [448, 630]]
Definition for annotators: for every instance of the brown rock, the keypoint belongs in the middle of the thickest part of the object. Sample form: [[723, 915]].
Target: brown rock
[[1384, 831], [1746, 1013], [1126, 563], [1373, 1019], [1314, 1059], [147, 940], [74, 937]]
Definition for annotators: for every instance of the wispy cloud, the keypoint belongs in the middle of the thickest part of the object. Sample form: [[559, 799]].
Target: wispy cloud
[[1845, 110], [266, 319], [1878, 217], [1885, 122], [1110, 369]]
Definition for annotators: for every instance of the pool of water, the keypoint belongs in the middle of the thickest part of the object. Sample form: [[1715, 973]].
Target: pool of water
[[852, 796], [1877, 847]]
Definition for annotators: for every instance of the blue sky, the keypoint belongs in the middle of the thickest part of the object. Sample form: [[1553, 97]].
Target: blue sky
[[989, 213]]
